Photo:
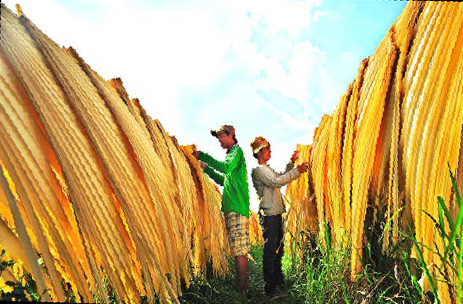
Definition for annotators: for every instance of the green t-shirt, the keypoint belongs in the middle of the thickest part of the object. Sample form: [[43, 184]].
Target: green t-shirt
[[232, 175]]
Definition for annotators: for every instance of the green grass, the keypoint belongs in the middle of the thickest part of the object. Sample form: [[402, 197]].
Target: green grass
[[323, 277], [323, 274], [224, 290], [23, 289], [450, 230]]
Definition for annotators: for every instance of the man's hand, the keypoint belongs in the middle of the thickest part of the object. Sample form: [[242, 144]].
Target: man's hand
[[203, 165], [196, 153], [295, 156], [302, 167]]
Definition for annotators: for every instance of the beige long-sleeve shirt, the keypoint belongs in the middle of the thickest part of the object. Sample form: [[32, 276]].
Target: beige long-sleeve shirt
[[268, 183]]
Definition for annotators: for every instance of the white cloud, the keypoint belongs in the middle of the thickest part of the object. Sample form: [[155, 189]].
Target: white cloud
[[305, 70], [278, 15], [305, 65], [160, 52], [157, 52], [318, 14], [289, 120], [72, 27]]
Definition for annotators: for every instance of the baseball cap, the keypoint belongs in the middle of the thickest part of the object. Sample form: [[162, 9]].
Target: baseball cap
[[224, 128]]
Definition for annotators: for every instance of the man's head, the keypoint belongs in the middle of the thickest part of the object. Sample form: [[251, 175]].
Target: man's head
[[261, 149], [226, 136]]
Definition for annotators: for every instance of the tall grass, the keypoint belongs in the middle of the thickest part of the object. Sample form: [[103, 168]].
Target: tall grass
[[322, 274], [390, 276], [450, 230]]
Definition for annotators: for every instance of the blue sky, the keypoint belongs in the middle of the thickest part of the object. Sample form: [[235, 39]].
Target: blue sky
[[270, 68]]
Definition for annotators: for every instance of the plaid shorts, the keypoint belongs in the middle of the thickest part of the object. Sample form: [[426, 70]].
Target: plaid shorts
[[238, 233]]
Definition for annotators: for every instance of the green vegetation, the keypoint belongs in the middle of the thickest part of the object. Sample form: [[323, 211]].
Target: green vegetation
[[325, 275], [323, 278], [223, 290], [322, 275], [23, 289], [450, 232]]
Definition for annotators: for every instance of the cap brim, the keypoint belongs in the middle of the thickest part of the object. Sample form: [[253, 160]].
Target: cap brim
[[260, 148], [214, 133]]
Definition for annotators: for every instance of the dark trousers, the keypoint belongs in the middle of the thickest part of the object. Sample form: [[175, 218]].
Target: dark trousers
[[272, 229]]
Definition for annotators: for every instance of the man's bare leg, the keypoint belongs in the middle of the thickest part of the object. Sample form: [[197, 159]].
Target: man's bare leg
[[241, 263]]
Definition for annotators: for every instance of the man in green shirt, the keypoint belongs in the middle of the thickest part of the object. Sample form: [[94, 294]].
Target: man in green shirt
[[232, 175]]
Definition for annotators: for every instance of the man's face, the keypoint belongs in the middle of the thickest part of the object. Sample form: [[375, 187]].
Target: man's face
[[265, 153], [226, 140]]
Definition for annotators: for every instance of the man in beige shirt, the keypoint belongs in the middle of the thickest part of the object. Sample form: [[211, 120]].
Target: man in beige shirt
[[268, 183]]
